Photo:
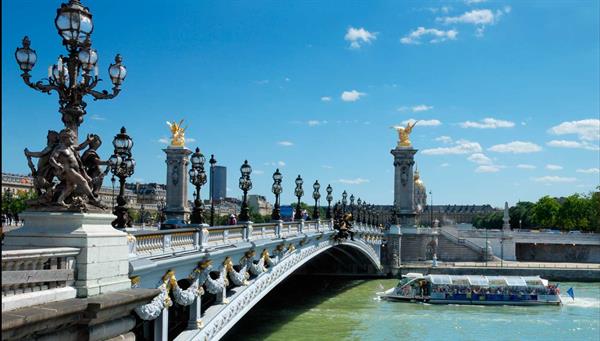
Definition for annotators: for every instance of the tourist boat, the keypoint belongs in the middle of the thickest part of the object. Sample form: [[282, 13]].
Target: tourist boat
[[479, 290]]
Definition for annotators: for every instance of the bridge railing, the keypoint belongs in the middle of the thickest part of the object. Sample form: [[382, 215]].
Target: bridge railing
[[40, 274], [197, 237]]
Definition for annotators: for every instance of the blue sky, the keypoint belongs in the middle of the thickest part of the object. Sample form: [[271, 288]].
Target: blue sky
[[507, 92]]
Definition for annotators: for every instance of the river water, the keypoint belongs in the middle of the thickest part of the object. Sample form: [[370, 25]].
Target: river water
[[326, 309]]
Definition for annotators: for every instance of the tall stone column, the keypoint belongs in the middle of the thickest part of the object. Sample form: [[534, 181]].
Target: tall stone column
[[394, 249], [177, 183], [404, 192]]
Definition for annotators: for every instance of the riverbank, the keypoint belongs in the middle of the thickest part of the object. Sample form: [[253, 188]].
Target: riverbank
[[578, 272]]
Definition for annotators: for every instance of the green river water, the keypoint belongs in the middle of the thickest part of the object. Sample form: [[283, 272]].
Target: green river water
[[318, 309]]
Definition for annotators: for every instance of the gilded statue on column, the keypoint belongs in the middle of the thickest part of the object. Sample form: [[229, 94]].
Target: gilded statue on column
[[177, 134], [404, 134]]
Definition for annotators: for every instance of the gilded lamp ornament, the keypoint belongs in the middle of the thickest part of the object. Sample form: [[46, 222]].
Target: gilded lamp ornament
[[177, 134], [404, 134]]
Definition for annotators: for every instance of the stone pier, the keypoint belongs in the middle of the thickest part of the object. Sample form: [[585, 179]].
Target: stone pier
[[177, 183], [404, 193]]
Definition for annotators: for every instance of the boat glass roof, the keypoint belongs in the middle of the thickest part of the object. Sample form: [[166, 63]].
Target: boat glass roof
[[515, 281]]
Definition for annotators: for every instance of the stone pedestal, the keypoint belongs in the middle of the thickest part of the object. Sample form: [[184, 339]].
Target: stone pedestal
[[102, 264], [394, 249], [404, 192], [177, 183]]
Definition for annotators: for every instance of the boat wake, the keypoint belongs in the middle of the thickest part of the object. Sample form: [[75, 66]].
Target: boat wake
[[581, 302]]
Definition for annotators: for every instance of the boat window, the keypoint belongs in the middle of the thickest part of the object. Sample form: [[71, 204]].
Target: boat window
[[440, 279], [460, 280], [515, 282], [496, 281], [534, 281], [478, 280]]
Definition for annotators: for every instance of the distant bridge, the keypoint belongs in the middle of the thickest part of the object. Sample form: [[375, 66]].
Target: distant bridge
[[238, 265]]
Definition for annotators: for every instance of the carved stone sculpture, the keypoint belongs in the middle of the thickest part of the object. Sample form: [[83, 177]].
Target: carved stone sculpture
[[92, 162], [404, 134], [177, 134]]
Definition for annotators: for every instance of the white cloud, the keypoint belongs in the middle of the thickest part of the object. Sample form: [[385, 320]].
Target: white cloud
[[488, 123], [285, 143], [471, 2], [480, 159], [359, 36], [258, 172], [97, 117], [516, 147], [445, 164], [553, 167], [487, 169], [356, 181], [588, 130], [352, 96], [460, 147], [554, 179], [437, 36], [421, 107], [475, 17], [164, 140], [444, 139], [327, 166], [573, 144], [280, 163], [314, 123], [403, 108], [326, 99], [589, 171], [423, 123], [525, 166]]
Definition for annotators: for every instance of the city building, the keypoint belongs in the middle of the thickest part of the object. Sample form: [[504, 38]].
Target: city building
[[259, 204], [420, 193], [219, 183]]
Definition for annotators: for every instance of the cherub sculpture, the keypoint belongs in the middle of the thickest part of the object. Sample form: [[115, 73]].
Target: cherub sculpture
[[177, 134], [404, 134], [91, 162]]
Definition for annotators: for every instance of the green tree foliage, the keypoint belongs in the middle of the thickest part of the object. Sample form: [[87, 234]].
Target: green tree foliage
[[574, 213], [521, 215], [545, 212], [16, 203]]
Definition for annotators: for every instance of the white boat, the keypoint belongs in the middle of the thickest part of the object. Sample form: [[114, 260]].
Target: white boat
[[474, 289]]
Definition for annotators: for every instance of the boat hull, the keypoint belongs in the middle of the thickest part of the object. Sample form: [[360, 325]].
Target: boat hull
[[465, 302]]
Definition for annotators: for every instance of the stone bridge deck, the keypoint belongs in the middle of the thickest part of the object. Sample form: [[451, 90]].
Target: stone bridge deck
[[238, 264]]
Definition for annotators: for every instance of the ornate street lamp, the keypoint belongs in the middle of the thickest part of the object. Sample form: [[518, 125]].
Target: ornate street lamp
[[344, 201], [316, 196], [329, 199], [358, 208], [365, 213], [71, 77], [212, 162], [161, 205], [122, 165], [245, 186], [352, 204], [276, 189], [198, 179], [299, 193], [373, 215], [142, 212]]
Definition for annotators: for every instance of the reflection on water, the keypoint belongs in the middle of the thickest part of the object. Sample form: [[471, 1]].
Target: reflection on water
[[320, 309]]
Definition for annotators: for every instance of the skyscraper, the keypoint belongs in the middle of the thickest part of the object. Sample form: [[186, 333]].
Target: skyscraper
[[218, 176]]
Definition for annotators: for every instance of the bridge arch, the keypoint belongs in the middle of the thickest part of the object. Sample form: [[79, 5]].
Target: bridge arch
[[219, 319]]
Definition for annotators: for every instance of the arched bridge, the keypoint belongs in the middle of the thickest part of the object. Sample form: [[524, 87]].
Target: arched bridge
[[233, 268]]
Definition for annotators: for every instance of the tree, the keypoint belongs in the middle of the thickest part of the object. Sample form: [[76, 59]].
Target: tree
[[545, 211], [520, 215], [594, 211], [574, 213]]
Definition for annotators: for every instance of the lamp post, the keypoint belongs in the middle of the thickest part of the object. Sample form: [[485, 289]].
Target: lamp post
[[316, 196], [197, 178], [161, 210], [299, 192], [276, 189], [212, 162], [142, 212], [431, 208], [358, 208], [122, 165], [329, 198], [344, 201], [352, 204], [112, 180], [245, 186], [71, 77]]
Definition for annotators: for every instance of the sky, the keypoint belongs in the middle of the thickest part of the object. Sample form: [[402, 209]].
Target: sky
[[506, 92]]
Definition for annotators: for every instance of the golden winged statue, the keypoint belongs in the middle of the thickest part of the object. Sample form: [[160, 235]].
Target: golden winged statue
[[177, 134], [404, 133]]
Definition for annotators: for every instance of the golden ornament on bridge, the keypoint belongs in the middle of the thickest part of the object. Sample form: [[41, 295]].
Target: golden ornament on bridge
[[404, 134], [177, 134]]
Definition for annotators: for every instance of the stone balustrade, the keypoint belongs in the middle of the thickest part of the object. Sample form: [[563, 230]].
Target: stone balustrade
[[147, 244], [37, 276]]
